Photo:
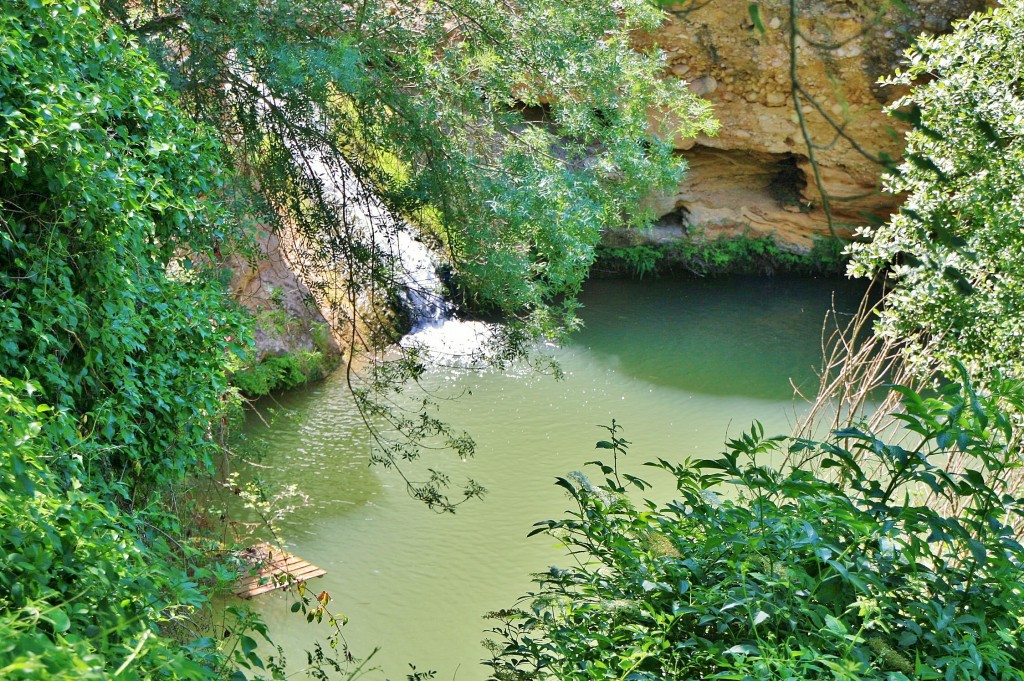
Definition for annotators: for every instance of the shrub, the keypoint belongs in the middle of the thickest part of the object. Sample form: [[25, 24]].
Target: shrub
[[281, 372], [742, 255], [758, 571], [105, 185], [81, 594], [954, 253]]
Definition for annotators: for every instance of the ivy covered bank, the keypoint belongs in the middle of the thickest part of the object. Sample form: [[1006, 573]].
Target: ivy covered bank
[[113, 354]]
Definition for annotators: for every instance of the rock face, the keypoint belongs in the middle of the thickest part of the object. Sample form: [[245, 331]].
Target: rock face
[[756, 176], [288, 318]]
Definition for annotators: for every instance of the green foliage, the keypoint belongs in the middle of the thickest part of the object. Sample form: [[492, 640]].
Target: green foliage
[[280, 372], [103, 185], [114, 316], [761, 571], [742, 255], [89, 591], [81, 595], [955, 251], [637, 261], [516, 131]]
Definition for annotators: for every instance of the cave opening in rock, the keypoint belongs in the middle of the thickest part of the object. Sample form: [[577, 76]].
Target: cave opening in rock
[[676, 219], [535, 113], [788, 182]]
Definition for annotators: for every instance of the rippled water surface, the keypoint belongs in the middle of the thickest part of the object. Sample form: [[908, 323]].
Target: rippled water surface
[[681, 364]]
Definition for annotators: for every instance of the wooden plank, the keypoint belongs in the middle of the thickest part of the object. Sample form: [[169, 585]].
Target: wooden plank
[[296, 575], [273, 569], [281, 581], [256, 590]]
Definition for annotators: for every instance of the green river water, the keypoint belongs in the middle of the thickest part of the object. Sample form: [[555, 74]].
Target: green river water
[[680, 364]]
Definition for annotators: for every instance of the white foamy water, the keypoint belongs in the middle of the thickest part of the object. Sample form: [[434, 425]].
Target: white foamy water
[[436, 332], [452, 341], [390, 242]]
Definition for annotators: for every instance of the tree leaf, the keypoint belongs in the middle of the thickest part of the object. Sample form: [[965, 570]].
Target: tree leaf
[[755, 16], [744, 649]]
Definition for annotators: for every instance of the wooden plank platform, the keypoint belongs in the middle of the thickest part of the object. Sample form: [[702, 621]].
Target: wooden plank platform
[[272, 568]]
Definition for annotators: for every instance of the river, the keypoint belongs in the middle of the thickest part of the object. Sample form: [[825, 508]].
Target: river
[[682, 365]]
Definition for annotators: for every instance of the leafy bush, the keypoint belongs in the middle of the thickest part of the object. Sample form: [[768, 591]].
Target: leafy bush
[[637, 261], [281, 372], [743, 255], [105, 186], [758, 571], [114, 316], [81, 595], [955, 251]]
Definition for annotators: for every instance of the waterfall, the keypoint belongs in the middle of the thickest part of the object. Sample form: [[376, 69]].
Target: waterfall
[[366, 225], [435, 329], [423, 292]]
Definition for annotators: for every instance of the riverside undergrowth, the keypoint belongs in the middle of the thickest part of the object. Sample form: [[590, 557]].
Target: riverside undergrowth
[[829, 566], [117, 337], [700, 257]]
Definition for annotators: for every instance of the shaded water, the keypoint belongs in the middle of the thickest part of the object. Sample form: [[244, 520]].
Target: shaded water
[[681, 364]]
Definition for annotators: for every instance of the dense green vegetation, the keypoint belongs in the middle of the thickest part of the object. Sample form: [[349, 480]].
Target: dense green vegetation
[[85, 587], [955, 249], [113, 353], [102, 189], [280, 372], [697, 257], [824, 567]]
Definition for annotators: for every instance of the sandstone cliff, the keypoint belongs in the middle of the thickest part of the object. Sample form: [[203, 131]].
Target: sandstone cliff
[[288, 319], [756, 175]]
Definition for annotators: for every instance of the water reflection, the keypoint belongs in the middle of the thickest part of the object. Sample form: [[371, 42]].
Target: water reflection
[[731, 336]]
